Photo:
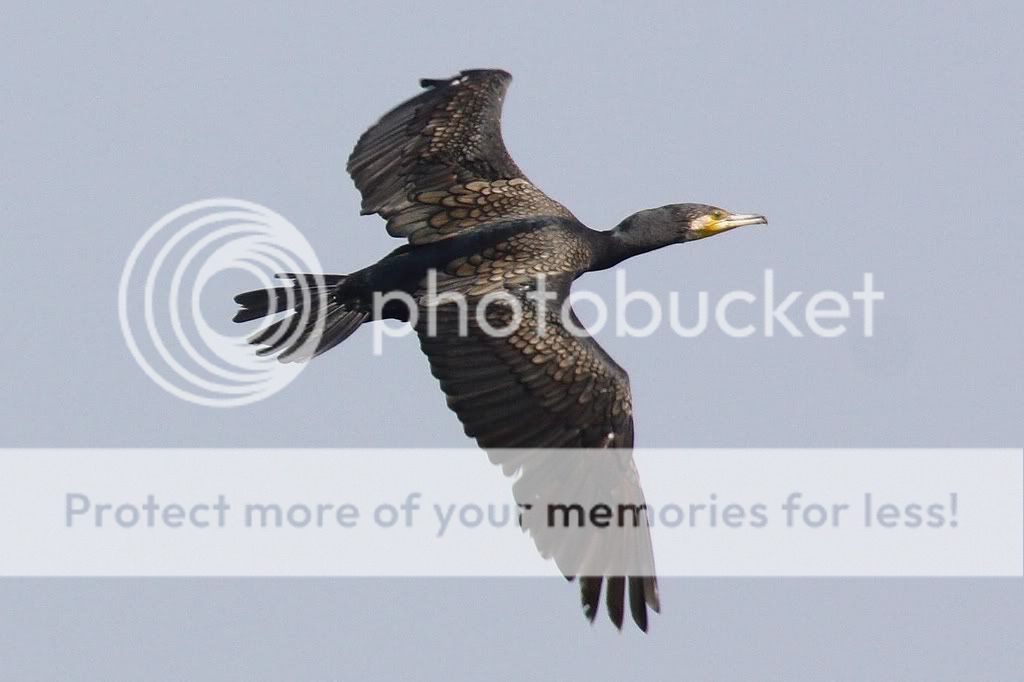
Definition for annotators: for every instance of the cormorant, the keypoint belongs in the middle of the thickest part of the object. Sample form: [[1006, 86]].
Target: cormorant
[[437, 170]]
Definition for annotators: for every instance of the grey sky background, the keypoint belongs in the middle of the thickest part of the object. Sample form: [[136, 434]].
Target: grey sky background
[[874, 138]]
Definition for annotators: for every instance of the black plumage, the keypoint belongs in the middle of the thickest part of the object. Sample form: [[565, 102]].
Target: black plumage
[[437, 170]]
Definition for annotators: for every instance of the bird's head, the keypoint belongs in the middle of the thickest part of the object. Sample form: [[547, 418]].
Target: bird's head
[[697, 221], [674, 224]]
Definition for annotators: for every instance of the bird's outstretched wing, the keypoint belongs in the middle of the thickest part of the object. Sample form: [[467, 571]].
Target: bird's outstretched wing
[[530, 388], [538, 387], [436, 165]]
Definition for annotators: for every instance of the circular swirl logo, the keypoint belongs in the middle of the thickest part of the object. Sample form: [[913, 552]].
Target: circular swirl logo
[[182, 273]]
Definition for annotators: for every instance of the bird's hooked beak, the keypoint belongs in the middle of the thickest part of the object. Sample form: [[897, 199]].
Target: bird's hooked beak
[[732, 221]]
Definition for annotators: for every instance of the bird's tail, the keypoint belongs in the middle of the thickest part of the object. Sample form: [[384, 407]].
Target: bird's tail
[[317, 323]]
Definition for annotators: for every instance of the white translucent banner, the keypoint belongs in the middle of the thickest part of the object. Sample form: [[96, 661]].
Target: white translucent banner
[[373, 512]]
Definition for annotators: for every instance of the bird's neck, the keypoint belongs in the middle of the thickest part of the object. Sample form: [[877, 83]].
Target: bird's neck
[[623, 242]]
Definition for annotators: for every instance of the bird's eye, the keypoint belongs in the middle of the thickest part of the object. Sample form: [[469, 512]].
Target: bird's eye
[[717, 215]]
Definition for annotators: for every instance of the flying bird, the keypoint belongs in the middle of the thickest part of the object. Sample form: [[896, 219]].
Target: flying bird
[[437, 170]]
